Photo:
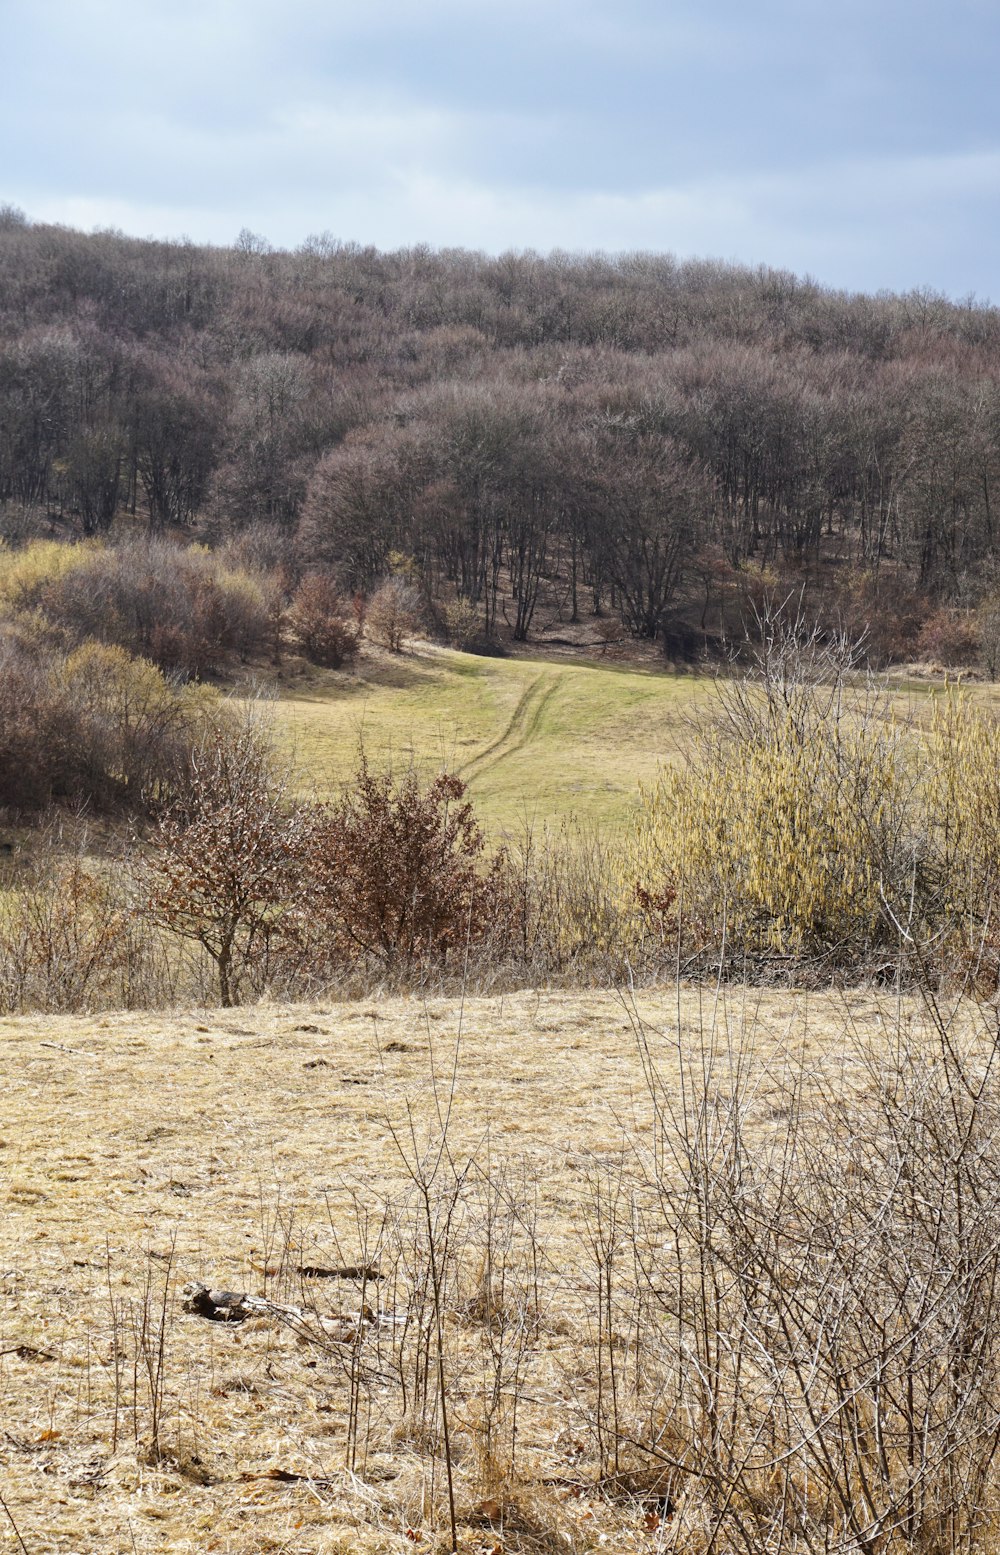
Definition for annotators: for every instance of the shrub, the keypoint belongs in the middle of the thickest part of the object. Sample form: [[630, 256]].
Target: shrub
[[610, 632], [137, 728], [221, 866], [960, 755], [988, 628], [570, 916], [884, 609], [251, 602], [393, 613], [19, 521], [322, 622], [38, 733], [400, 872], [176, 606], [95, 727], [794, 825], [949, 638], [27, 575], [781, 847], [464, 624], [68, 942], [848, 1250], [810, 823]]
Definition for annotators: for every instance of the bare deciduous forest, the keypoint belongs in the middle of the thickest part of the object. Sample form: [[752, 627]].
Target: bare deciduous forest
[[651, 440]]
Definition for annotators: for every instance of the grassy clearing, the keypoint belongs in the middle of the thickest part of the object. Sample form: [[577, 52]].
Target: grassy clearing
[[241, 1148], [535, 737], [538, 738]]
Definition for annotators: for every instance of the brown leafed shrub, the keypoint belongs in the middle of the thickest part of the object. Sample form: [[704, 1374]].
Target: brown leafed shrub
[[401, 873], [950, 638], [988, 627], [322, 622], [885, 610]]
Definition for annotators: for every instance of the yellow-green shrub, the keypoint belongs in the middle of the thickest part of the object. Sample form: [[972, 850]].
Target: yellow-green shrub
[[788, 839], [176, 605], [96, 727], [961, 759], [26, 574], [576, 917], [827, 829]]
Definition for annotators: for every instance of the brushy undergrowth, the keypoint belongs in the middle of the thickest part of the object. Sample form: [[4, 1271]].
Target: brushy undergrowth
[[814, 829], [186, 610], [811, 833]]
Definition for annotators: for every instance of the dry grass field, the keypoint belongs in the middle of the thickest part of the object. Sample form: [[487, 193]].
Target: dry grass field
[[243, 1149]]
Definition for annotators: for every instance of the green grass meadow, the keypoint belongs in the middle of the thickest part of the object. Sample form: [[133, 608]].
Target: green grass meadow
[[535, 739]]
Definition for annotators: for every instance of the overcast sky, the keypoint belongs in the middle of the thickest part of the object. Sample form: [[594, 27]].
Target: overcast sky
[[854, 140]]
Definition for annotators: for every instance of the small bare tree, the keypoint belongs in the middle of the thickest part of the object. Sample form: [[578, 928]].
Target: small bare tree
[[393, 613], [221, 865]]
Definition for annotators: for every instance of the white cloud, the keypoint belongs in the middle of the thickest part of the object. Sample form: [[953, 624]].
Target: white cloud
[[854, 223], [577, 124]]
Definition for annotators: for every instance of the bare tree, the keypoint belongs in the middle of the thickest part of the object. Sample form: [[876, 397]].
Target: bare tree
[[220, 868]]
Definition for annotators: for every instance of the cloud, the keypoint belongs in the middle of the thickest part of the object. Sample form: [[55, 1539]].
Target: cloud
[[831, 139], [856, 224]]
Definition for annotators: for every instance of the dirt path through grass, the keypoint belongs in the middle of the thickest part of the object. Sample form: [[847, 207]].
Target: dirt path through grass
[[521, 730], [558, 740]]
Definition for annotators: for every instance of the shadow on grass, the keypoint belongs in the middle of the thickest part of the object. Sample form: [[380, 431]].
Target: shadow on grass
[[401, 675]]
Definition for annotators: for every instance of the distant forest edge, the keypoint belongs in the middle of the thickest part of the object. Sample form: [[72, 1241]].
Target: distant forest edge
[[636, 441]]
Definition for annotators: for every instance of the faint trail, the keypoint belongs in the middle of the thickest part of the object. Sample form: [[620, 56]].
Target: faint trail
[[520, 731]]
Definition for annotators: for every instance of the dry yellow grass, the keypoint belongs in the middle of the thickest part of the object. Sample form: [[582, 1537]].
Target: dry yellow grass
[[235, 1147]]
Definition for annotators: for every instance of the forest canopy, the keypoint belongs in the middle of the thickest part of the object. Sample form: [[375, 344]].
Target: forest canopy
[[631, 437]]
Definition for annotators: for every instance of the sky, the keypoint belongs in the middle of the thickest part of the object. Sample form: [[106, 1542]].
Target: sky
[[855, 141]]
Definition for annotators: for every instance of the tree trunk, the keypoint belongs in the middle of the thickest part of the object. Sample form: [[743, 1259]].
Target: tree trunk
[[224, 966]]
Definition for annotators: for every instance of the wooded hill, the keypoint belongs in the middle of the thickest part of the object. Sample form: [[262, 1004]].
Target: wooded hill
[[654, 441]]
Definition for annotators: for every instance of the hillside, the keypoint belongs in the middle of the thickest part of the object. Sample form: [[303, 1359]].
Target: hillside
[[658, 444]]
